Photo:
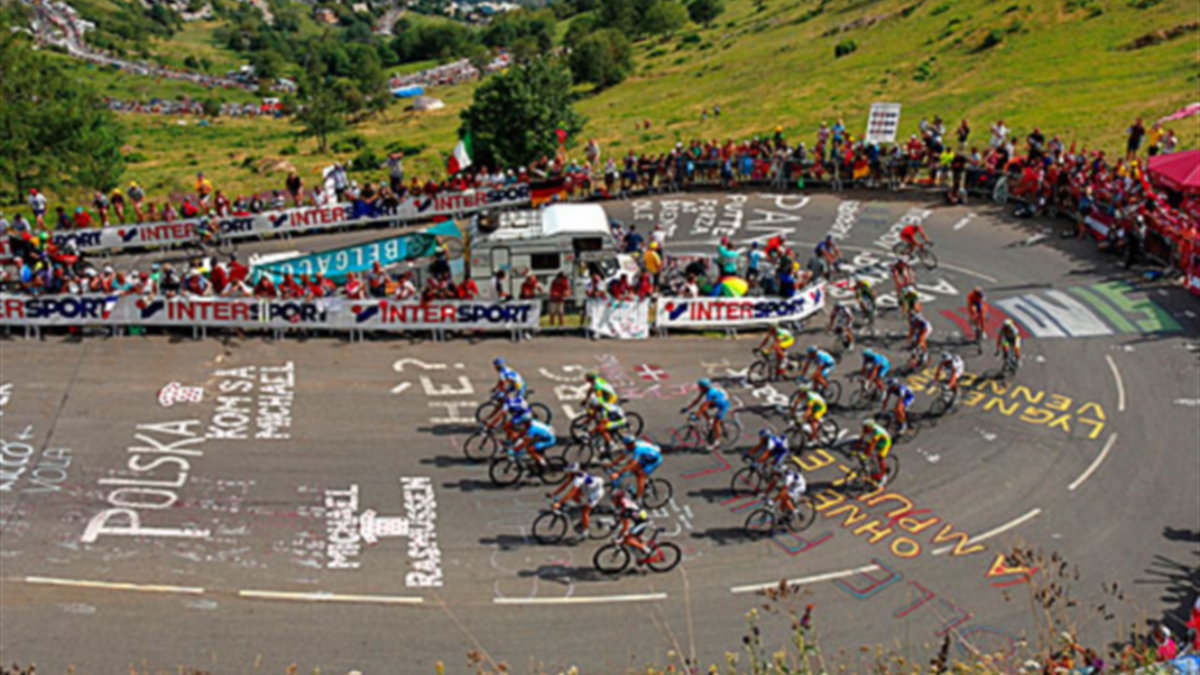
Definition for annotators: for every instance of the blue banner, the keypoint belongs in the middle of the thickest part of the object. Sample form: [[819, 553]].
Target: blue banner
[[336, 263]]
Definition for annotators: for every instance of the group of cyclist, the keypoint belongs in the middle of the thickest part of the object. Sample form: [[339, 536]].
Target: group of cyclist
[[773, 457]]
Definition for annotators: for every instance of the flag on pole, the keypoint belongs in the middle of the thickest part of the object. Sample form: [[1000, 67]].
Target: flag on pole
[[461, 157]]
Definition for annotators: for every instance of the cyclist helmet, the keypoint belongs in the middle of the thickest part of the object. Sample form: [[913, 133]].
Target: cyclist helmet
[[946, 356], [892, 383], [618, 495], [764, 433], [812, 350], [900, 261], [1008, 323], [704, 383], [868, 423], [869, 354], [754, 244], [829, 239], [863, 282], [498, 362], [629, 441], [918, 318], [978, 290], [591, 376], [575, 467]]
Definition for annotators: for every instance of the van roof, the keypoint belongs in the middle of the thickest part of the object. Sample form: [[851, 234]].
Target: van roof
[[559, 219]]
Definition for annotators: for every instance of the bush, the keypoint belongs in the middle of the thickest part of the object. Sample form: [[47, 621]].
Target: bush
[[289, 150], [994, 37], [924, 71], [350, 143], [845, 47], [940, 9], [1143, 4], [408, 150], [365, 161], [689, 38], [134, 158], [1012, 8], [656, 53]]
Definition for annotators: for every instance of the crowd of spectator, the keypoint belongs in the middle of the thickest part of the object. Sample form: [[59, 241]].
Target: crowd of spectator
[[190, 106], [1044, 172], [454, 72]]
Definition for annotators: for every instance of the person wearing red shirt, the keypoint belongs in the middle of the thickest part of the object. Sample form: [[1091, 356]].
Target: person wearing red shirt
[[560, 290], [82, 219], [355, 290], [531, 287], [327, 286], [237, 271], [468, 289], [289, 288], [219, 278]]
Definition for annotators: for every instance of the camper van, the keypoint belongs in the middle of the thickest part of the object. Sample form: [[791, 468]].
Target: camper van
[[569, 238]]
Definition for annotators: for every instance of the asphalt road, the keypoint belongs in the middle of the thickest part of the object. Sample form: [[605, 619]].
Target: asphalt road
[[228, 533]]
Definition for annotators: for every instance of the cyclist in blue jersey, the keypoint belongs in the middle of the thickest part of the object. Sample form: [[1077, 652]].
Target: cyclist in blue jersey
[[535, 438], [644, 458], [510, 380], [824, 364], [771, 450], [715, 399], [904, 398], [875, 367]]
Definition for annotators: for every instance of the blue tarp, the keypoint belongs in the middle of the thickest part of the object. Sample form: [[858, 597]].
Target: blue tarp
[[408, 92], [336, 263]]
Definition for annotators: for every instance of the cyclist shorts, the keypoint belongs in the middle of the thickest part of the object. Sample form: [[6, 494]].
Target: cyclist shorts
[[826, 371], [649, 468], [818, 411], [908, 399], [787, 343], [719, 410], [612, 425], [544, 444]]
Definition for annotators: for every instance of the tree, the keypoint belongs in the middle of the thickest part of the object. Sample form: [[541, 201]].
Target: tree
[[603, 58], [322, 109], [54, 131], [705, 11], [664, 17], [513, 119]]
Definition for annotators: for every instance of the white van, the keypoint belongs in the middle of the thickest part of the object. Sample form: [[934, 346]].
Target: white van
[[560, 238]]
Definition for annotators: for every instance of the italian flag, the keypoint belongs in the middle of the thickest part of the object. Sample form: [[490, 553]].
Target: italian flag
[[461, 157]]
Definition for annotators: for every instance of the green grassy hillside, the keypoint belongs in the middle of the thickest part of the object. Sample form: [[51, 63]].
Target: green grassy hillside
[[1060, 64]]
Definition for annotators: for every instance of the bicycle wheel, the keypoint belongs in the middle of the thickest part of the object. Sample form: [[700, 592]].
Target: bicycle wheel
[[636, 423], [747, 481], [580, 428], [486, 410], [833, 392], [797, 440], [927, 258], [658, 493], [828, 433], [910, 433], [731, 431], [553, 472], [611, 559], [893, 462], [759, 373], [577, 452], [603, 524], [541, 412], [665, 557], [550, 527], [860, 398], [760, 522], [900, 249], [603, 450], [803, 516], [480, 445], [505, 471]]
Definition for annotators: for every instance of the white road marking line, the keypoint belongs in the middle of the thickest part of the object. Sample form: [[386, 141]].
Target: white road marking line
[[956, 268], [805, 580], [1120, 385], [1108, 445], [399, 389], [113, 585], [991, 533], [320, 596], [964, 220], [581, 599]]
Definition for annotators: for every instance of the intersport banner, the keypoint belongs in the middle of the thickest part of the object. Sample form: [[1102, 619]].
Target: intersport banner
[[734, 312], [335, 313], [295, 220]]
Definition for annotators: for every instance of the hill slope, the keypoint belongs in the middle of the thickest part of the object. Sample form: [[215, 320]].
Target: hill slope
[[1059, 64]]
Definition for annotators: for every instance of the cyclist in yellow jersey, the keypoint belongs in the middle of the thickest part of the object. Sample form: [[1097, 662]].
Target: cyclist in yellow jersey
[[779, 339], [875, 440], [815, 408], [600, 389], [609, 418]]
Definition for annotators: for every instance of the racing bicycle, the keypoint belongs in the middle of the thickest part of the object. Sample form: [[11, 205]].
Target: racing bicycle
[[831, 391], [771, 518], [766, 367], [541, 411], [509, 467], [887, 420], [699, 432], [1011, 363], [616, 556], [799, 434], [658, 490], [865, 394], [944, 398], [858, 479], [922, 251], [552, 525]]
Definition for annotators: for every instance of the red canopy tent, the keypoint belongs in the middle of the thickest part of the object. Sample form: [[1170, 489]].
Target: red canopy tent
[[1179, 171]]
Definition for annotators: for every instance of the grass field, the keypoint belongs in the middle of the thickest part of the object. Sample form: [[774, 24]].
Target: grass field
[[196, 39], [1058, 64]]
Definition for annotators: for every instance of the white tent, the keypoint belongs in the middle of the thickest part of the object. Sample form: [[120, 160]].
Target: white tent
[[428, 103]]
